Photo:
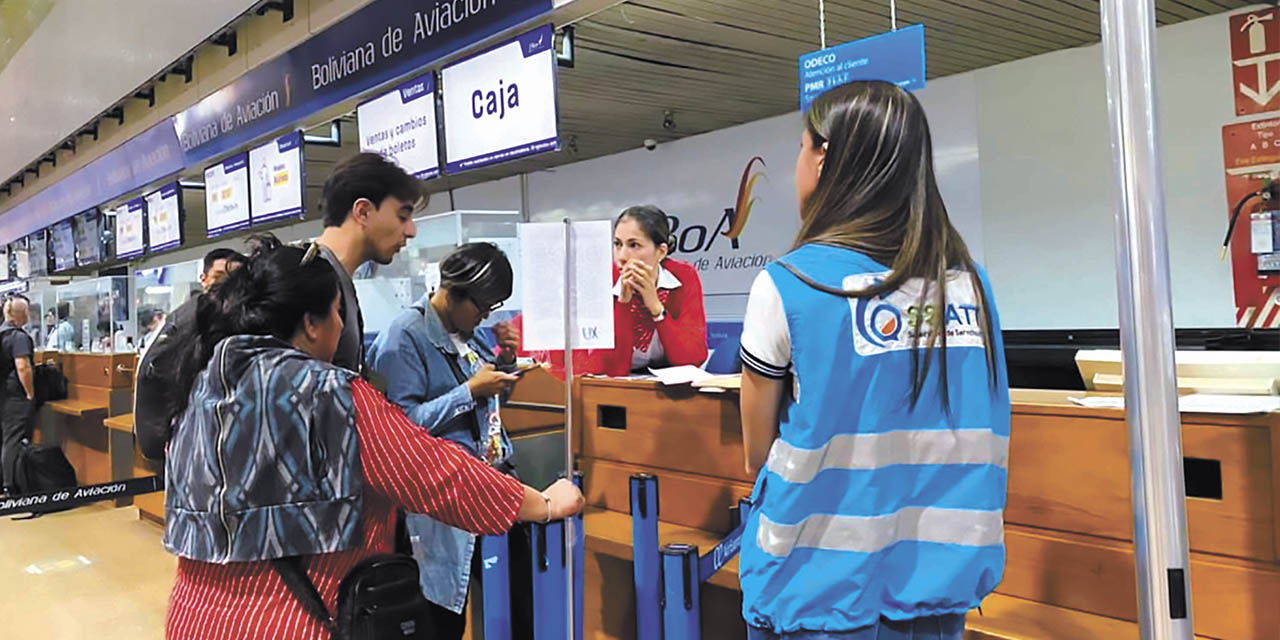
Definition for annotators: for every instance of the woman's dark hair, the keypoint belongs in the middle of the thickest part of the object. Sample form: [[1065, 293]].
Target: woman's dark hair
[[230, 255], [480, 271], [269, 295], [64, 310], [876, 194], [366, 175], [653, 221]]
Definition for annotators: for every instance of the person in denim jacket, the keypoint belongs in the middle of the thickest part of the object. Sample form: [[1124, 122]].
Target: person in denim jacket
[[449, 381]]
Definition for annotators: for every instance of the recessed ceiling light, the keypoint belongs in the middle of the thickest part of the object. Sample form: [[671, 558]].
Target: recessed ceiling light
[[12, 119]]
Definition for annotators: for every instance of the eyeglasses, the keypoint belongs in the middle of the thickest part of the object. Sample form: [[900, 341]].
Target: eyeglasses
[[312, 251], [487, 308]]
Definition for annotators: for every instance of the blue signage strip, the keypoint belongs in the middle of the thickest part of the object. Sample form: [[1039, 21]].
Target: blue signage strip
[[897, 57], [384, 40]]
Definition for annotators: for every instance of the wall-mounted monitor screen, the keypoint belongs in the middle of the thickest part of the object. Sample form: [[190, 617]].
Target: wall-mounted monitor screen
[[87, 228], [18, 257], [4, 263], [276, 181], [401, 125], [38, 253], [226, 195], [130, 242], [62, 241], [164, 218], [501, 104]]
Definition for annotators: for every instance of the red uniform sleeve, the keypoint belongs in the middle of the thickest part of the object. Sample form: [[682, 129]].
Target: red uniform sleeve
[[429, 475], [684, 330]]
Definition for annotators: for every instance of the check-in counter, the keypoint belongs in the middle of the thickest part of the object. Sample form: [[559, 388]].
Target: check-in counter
[[99, 386], [1070, 569]]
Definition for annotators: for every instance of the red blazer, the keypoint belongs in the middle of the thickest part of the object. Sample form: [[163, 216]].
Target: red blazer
[[683, 331]]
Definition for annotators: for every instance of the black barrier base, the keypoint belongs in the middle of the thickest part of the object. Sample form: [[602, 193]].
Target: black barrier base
[[63, 499]]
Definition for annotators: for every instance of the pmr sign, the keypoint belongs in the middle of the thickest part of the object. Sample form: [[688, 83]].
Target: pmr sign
[[897, 57]]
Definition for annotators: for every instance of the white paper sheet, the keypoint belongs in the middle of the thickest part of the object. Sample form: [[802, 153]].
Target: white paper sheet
[[1198, 403], [686, 374], [542, 261]]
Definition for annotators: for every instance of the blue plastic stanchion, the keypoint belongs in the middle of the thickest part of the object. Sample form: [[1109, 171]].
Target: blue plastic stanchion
[[579, 564], [644, 545], [495, 587], [681, 587], [549, 610]]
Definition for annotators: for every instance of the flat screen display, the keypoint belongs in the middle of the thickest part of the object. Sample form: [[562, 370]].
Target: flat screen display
[[226, 195], [38, 253], [130, 242], [21, 260], [401, 125], [87, 229], [164, 218], [276, 182], [63, 246], [501, 104]]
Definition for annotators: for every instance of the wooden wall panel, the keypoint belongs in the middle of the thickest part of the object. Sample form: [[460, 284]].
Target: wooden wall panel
[[683, 499]]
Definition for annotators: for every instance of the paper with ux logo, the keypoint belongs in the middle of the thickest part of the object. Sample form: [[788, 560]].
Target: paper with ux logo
[[542, 263]]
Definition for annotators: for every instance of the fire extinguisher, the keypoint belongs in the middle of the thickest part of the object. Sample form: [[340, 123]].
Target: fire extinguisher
[[1264, 226]]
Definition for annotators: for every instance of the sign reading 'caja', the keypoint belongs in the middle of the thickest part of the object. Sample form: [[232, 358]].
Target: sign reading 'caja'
[[386, 39]]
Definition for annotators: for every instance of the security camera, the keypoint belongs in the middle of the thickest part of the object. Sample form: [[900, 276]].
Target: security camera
[[650, 144]]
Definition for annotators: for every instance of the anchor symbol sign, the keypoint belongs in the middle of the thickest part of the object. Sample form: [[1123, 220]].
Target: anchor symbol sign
[[1250, 46]]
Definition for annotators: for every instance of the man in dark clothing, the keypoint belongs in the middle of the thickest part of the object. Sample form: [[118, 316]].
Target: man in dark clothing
[[18, 389], [368, 204], [153, 395]]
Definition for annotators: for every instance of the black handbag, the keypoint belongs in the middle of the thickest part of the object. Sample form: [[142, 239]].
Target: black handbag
[[379, 599]]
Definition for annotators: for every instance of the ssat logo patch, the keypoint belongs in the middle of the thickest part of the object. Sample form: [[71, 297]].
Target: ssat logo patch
[[897, 321]]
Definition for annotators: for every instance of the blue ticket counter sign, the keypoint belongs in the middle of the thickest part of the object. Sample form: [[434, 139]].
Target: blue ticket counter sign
[[897, 57]]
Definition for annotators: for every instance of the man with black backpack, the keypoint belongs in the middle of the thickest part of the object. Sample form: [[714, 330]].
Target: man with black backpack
[[17, 386]]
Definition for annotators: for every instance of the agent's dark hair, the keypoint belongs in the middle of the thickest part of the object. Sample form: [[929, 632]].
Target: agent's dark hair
[[269, 295], [64, 310], [653, 221], [480, 271], [370, 176], [147, 315], [230, 255], [876, 194]]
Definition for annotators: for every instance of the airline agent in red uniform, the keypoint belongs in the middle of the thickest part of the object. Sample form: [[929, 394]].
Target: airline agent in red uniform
[[658, 315]]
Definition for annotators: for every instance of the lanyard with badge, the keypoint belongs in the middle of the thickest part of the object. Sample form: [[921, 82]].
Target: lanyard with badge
[[494, 448]]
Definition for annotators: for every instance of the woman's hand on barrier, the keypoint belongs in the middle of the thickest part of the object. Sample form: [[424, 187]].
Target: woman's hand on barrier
[[490, 382], [566, 499], [508, 341]]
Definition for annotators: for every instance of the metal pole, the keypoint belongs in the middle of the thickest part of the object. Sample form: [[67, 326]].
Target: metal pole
[[1146, 324], [569, 332]]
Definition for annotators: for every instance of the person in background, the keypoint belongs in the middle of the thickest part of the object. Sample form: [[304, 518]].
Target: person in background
[[151, 319], [63, 336], [50, 327], [343, 459], [658, 314], [17, 387], [444, 377], [368, 203], [875, 401], [153, 393]]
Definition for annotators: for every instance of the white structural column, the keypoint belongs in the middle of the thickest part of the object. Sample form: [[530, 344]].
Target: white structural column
[[1146, 323]]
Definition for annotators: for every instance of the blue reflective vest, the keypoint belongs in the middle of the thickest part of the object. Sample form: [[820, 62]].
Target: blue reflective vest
[[868, 507]]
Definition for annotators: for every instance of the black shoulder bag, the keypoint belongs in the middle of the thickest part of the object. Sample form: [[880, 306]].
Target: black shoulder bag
[[380, 598]]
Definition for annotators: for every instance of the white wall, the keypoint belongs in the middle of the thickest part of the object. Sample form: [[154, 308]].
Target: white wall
[[1048, 187]]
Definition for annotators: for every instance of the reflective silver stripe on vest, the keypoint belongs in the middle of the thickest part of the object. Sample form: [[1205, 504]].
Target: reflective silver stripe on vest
[[864, 451], [868, 534]]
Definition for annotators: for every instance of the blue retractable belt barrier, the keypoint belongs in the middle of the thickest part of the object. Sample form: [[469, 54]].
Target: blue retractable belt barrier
[[495, 587], [722, 553], [60, 499], [681, 586], [644, 548]]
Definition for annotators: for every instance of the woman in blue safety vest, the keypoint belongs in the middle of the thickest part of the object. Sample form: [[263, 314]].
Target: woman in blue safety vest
[[875, 401]]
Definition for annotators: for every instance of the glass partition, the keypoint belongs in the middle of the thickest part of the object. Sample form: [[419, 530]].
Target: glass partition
[[384, 290], [158, 292], [43, 318], [94, 316]]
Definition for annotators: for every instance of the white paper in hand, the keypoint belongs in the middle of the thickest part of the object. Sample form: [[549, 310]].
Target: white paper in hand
[[686, 374], [542, 261]]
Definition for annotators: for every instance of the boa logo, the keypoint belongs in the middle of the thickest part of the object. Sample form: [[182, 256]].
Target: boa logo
[[877, 321], [694, 238]]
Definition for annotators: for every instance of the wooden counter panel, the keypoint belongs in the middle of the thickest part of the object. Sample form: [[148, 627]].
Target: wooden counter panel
[[688, 500], [1231, 598], [680, 430], [99, 369], [1072, 474]]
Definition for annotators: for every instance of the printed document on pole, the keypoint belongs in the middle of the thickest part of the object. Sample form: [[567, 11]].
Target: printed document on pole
[[542, 261]]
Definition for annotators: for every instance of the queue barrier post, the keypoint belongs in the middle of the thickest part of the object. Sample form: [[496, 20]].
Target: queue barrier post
[[647, 567], [495, 587], [681, 593]]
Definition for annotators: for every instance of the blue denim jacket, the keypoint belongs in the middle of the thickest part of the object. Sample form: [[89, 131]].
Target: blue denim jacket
[[412, 355]]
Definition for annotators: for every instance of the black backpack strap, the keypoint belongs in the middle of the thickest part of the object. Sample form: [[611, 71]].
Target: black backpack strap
[[295, 577]]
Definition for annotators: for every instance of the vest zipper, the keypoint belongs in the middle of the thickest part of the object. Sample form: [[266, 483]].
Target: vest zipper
[[222, 439]]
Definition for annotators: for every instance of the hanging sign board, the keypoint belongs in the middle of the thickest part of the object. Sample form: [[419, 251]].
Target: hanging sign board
[[63, 240], [87, 231], [501, 104], [226, 195], [401, 125], [38, 246], [275, 186], [129, 227], [1255, 60], [164, 218], [897, 57]]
